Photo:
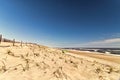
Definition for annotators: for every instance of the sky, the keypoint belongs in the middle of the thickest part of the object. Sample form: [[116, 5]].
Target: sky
[[62, 23]]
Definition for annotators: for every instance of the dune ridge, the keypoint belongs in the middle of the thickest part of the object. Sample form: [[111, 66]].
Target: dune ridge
[[37, 62]]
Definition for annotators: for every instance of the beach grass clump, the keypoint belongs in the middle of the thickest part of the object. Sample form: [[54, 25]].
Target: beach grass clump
[[3, 67], [9, 52]]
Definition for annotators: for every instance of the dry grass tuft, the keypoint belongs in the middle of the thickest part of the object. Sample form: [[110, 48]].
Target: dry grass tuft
[[60, 74], [3, 67], [9, 52]]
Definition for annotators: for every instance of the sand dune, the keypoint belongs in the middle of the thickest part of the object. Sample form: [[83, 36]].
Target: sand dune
[[36, 62], [108, 57]]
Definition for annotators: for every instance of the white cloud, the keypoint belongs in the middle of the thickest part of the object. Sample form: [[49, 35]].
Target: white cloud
[[114, 42], [107, 41], [116, 35]]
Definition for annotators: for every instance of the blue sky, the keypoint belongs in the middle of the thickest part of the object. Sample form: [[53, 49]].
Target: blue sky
[[62, 23]]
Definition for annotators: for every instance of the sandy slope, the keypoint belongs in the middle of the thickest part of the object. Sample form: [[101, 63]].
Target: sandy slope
[[108, 57], [34, 62]]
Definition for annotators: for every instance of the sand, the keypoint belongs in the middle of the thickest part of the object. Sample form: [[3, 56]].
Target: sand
[[37, 62], [108, 57]]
